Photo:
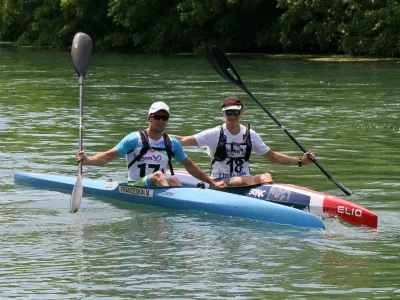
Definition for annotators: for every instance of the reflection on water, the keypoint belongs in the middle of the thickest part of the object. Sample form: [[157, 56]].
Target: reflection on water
[[346, 113]]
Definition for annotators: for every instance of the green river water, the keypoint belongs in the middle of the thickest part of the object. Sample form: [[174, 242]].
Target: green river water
[[347, 113]]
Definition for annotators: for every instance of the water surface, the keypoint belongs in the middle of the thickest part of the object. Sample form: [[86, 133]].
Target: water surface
[[347, 113]]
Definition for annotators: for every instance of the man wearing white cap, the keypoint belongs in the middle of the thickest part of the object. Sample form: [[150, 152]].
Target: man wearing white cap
[[230, 145], [148, 152]]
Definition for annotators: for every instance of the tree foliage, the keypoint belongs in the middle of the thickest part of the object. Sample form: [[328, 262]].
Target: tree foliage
[[232, 24], [359, 27], [149, 25]]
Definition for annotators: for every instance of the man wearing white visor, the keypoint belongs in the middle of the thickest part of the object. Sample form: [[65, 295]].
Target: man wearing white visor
[[230, 145]]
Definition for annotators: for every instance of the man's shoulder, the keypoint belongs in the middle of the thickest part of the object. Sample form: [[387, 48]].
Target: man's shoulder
[[133, 135], [172, 139], [252, 131], [208, 136]]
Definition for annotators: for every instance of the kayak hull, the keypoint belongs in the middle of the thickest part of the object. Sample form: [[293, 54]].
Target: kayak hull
[[316, 203], [180, 198]]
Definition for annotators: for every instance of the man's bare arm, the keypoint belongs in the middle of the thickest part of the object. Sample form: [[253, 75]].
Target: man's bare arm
[[186, 140], [98, 159]]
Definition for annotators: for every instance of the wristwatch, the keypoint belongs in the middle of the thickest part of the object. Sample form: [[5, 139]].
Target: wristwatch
[[300, 162]]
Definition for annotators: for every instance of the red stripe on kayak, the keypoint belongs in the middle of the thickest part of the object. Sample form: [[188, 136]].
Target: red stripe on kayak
[[349, 212]]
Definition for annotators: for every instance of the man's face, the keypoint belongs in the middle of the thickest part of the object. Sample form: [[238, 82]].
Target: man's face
[[158, 120], [232, 114]]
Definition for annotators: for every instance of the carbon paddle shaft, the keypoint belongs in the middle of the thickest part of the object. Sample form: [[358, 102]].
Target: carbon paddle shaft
[[81, 52], [77, 192], [80, 119], [223, 66]]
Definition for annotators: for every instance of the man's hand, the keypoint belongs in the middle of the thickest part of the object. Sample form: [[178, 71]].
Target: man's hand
[[308, 158], [218, 185], [80, 157]]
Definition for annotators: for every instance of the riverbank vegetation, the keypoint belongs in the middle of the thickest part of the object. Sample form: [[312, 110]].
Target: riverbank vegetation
[[350, 27]]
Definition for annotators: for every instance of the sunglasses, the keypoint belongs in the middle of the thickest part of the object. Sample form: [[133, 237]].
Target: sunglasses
[[158, 117], [232, 112]]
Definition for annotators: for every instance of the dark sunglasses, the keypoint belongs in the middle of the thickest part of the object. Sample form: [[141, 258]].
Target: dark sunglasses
[[158, 117], [232, 112]]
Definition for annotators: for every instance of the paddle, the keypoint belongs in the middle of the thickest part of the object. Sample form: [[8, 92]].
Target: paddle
[[223, 66], [81, 52]]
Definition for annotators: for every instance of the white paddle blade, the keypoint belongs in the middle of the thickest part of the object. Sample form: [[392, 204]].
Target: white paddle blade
[[76, 197]]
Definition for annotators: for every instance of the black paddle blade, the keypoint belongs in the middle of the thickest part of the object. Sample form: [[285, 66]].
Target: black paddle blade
[[223, 66], [81, 51]]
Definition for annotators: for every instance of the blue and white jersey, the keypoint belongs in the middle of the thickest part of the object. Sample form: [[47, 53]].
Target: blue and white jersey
[[153, 160]]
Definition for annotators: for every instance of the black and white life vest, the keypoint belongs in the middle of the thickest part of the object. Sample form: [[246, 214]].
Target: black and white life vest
[[221, 153], [146, 147]]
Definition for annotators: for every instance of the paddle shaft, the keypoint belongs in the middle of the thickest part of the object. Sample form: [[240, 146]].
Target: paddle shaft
[[80, 120], [77, 192]]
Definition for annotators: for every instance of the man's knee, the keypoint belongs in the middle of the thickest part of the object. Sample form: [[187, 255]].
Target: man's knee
[[174, 181], [157, 177], [266, 177]]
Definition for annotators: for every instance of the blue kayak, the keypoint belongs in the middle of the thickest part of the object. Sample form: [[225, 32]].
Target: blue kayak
[[180, 198]]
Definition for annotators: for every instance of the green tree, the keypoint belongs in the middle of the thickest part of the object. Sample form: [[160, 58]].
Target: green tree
[[43, 25], [148, 25], [89, 16], [360, 27], [373, 28], [15, 18], [237, 25], [311, 25]]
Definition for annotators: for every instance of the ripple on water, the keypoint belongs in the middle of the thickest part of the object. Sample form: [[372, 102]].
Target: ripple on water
[[115, 250]]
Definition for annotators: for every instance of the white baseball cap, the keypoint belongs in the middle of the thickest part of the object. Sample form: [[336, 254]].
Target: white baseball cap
[[156, 106]]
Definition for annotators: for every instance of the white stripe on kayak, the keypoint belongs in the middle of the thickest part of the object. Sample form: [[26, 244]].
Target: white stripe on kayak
[[316, 199]]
